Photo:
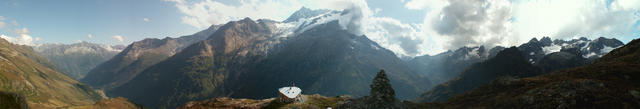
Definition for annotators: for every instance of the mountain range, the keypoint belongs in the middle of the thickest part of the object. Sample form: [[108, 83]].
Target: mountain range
[[29, 75], [247, 58], [138, 56], [609, 82], [77, 59], [539, 56]]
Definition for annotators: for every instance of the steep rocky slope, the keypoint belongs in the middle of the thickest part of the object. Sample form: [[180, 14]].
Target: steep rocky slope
[[139, 55], [21, 72], [201, 70]]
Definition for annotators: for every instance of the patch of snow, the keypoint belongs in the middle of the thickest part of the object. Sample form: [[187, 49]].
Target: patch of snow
[[607, 49], [532, 62], [109, 48], [284, 29], [473, 53], [589, 55], [79, 49], [551, 49], [532, 53], [306, 24], [585, 46], [375, 47], [303, 24]]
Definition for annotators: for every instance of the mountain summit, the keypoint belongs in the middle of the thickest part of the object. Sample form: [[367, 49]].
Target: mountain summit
[[246, 59], [304, 12]]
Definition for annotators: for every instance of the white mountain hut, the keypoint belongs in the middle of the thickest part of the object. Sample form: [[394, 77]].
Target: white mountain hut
[[289, 94]]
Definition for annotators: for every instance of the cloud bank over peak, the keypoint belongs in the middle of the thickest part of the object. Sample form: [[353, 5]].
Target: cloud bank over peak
[[22, 39], [448, 24], [470, 23], [205, 13], [118, 38], [356, 17], [456, 23]]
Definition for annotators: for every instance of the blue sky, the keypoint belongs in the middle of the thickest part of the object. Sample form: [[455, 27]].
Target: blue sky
[[67, 21], [406, 27]]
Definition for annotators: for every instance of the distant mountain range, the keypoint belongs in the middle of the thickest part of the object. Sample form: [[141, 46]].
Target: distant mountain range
[[609, 82], [77, 59], [508, 62], [447, 65], [137, 56], [540, 56], [25, 73], [444, 66]]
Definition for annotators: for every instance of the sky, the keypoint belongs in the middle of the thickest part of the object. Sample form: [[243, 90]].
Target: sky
[[406, 27]]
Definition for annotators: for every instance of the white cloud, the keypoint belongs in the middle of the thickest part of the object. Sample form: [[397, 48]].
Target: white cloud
[[448, 24], [118, 38], [23, 39], [145, 19], [21, 31], [15, 23], [455, 23], [90, 36], [2, 24], [208, 12], [401, 38], [426, 4], [576, 18], [2, 18]]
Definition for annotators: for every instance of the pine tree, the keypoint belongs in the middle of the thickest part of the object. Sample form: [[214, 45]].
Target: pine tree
[[381, 89], [381, 96]]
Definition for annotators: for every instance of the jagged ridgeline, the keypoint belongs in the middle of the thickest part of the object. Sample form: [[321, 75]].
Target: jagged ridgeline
[[609, 82], [75, 60], [529, 59]]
